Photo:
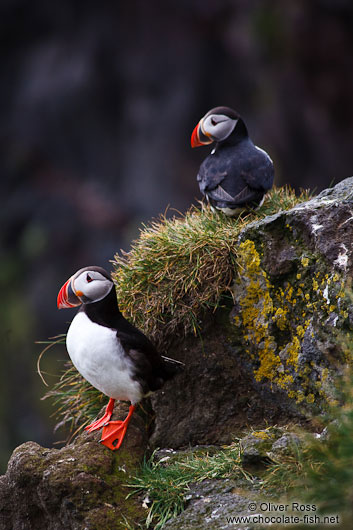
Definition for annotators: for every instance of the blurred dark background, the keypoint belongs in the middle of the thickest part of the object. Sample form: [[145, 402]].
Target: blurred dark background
[[98, 102]]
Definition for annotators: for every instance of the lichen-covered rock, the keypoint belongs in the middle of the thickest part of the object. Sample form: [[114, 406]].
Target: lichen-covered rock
[[272, 356], [293, 294], [254, 448], [81, 486]]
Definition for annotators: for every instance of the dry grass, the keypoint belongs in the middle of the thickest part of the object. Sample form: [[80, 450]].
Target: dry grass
[[182, 266]]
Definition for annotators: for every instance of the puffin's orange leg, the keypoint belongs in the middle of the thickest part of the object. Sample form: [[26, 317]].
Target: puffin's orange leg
[[113, 433], [98, 424]]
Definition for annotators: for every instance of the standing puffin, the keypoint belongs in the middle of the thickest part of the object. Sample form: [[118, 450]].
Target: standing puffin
[[108, 351], [237, 174]]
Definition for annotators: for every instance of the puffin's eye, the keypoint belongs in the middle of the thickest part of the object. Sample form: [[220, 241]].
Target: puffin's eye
[[89, 279], [213, 121]]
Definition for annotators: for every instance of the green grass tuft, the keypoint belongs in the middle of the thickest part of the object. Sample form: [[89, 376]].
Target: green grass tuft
[[168, 484]]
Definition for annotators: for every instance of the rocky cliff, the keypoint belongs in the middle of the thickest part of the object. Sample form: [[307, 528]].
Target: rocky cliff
[[267, 354], [272, 353]]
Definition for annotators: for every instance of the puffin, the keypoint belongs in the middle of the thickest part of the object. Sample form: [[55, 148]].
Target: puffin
[[109, 352], [237, 173]]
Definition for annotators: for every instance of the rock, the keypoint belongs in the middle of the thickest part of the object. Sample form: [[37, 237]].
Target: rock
[[260, 447], [285, 443], [254, 449], [81, 486], [211, 504], [274, 354], [294, 326], [222, 398]]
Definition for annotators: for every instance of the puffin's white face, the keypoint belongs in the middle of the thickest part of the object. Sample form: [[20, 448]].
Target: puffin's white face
[[91, 286], [217, 126], [88, 285]]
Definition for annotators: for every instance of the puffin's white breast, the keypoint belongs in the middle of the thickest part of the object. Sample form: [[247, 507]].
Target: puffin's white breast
[[98, 355]]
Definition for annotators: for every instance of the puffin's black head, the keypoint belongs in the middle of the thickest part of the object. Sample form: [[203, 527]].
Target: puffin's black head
[[86, 286], [216, 126]]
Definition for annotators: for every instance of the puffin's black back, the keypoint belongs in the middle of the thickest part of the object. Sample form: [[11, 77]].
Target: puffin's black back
[[237, 173], [151, 370]]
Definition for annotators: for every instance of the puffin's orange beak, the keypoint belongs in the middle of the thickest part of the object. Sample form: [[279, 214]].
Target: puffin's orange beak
[[198, 138], [66, 297], [195, 140]]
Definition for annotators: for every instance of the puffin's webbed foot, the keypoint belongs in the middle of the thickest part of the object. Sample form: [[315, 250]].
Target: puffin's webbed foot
[[98, 424], [113, 433]]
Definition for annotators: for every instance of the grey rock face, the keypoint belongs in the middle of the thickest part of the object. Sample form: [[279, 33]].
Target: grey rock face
[[212, 504], [216, 396]]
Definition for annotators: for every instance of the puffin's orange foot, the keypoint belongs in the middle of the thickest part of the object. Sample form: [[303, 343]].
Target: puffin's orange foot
[[113, 433], [98, 424]]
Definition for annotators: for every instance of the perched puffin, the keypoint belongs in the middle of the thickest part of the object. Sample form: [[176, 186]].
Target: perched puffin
[[237, 174], [108, 351]]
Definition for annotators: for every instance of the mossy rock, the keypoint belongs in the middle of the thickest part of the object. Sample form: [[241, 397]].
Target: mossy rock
[[81, 486]]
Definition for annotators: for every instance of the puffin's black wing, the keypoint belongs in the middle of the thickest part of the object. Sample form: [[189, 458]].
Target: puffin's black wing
[[151, 370], [210, 175], [257, 169]]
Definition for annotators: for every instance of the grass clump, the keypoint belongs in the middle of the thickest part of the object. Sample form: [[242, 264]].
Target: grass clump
[[182, 266], [176, 268], [76, 401], [168, 484]]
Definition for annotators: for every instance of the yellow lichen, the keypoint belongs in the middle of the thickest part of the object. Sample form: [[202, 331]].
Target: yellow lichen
[[293, 350], [257, 309], [300, 331], [237, 321], [280, 317], [263, 435], [273, 321], [324, 374]]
